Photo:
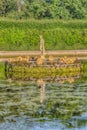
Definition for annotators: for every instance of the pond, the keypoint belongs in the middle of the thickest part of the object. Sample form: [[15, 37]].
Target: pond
[[43, 104]]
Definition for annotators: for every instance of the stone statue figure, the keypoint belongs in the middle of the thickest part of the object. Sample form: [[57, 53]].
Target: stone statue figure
[[42, 48]]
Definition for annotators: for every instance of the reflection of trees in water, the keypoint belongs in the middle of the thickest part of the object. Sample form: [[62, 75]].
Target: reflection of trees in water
[[49, 100], [64, 103]]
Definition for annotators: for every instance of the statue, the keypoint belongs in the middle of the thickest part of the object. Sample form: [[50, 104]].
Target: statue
[[42, 48]]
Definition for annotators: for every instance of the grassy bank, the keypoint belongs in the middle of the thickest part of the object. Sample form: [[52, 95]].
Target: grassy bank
[[2, 71], [58, 35]]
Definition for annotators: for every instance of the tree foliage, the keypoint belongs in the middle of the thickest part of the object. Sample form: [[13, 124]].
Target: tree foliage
[[39, 9]]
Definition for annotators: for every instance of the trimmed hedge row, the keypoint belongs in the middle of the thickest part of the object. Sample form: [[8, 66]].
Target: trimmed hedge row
[[42, 24], [25, 35]]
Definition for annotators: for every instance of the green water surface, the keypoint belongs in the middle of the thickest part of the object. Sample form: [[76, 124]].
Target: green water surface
[[43, 105]]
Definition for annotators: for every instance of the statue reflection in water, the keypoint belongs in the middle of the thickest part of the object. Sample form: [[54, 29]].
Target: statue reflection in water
[[42, 84]]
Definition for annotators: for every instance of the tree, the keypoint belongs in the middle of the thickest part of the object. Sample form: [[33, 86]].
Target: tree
[[39, 9], [6, 6]]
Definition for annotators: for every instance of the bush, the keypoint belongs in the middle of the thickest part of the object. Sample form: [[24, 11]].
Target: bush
[[58, 35]]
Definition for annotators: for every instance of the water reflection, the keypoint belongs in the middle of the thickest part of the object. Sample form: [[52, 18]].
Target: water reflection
[[42, 103], [60, 70], [42, 86], [39, 98]]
